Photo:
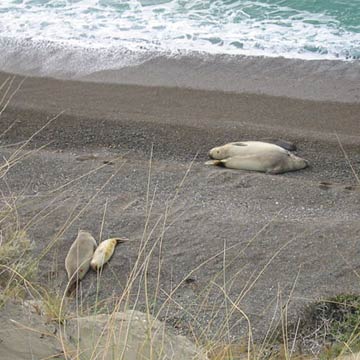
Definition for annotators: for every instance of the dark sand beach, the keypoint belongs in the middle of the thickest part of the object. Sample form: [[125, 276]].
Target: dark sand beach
[[259, 237]]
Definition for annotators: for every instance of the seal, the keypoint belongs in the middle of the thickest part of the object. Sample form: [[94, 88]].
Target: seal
[[104, 252], [77, 261], [273, 162], [244, 148]]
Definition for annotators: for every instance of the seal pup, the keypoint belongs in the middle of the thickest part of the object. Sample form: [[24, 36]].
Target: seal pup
[[244, 148], [77, 261], [104, 252], [268, 162]]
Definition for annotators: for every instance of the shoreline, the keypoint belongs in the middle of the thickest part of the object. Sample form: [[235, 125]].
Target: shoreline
[[318, 80], [228, 114]]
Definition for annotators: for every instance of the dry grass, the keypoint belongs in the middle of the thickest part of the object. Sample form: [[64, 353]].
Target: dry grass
[[53, 304]]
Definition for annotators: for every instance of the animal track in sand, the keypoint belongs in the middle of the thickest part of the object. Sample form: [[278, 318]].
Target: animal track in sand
[[105, 160], [325, 185]]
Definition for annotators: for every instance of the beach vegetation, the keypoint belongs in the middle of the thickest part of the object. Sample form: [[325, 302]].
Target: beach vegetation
[[334, 324]]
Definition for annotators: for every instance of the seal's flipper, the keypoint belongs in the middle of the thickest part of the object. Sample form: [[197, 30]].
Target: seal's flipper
[[275, 171], [287, 145], [121, 240], [239, 144], [71, 288], [213, 162]]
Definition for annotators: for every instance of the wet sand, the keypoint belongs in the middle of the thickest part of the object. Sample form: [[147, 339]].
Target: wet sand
[[284, 234]]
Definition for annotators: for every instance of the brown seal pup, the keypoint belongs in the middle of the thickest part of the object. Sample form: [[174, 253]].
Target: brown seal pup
[[104, 252], [77, 261], [268, 162]]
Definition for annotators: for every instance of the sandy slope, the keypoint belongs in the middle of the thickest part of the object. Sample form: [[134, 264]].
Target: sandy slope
[[254, 215]]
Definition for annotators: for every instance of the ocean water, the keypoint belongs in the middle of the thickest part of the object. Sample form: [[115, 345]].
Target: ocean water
[[125, 32]]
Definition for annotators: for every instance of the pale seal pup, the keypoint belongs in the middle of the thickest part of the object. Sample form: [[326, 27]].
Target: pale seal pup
[[104, 252], [269, 162], [244, 148], [77, 261]]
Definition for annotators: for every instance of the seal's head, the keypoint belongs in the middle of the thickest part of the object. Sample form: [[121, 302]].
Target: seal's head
[[84, 237], [218, 153]]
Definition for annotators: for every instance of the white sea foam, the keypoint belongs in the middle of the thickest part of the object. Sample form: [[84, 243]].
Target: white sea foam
[[44, 58], [113, 34]]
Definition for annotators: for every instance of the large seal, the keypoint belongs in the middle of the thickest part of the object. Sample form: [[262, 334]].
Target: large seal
[[77, 261], [104, 252], [271, 163], [243, 148]]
